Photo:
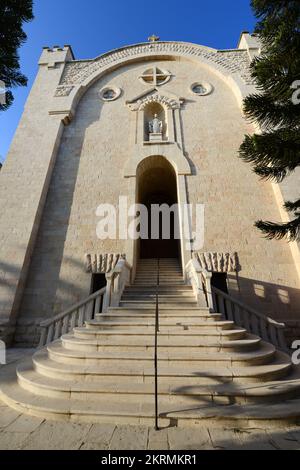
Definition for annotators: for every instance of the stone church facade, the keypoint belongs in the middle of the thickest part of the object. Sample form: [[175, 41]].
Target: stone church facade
[[84, 140]]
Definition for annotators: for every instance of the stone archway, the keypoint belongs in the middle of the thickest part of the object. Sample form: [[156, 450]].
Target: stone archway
[[157, 186], [176, 167]]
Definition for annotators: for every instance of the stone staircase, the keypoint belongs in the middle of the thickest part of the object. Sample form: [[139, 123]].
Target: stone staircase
[[104, 371]]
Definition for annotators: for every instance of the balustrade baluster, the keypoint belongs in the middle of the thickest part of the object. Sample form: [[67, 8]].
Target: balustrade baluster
[[43, 339], [73, 323], [246, 319], [229, 308], [254, 325], [81, 316], [215, 301], [90, 310], [65, 325], [238, 315], [50, 333], [281, 339], [264, 330], [98, 304], [223, 307], [68, 320], [253, 321], [58, 328], [273, 335]]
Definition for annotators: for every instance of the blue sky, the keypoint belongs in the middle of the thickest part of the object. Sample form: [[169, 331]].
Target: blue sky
[[93, 27]]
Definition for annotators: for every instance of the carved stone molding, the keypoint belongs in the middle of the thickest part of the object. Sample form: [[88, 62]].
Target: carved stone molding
[[232, 61], [218, 262], [63, 90], [153, 95], [102, 263], [168, 102]]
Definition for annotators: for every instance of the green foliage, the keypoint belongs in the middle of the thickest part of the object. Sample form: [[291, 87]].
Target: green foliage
[[13, 13], [275, 152]]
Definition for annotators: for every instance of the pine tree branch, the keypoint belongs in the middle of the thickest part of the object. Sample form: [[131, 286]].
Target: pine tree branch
[[289, 230], [292, 206], [271, 112], [274, 154]]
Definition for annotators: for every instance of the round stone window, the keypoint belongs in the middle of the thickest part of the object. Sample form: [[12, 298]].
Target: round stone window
[[155, 76], [110, 93], [201, 88]]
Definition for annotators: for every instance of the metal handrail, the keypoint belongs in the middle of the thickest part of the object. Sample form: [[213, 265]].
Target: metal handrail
[[155, 348]]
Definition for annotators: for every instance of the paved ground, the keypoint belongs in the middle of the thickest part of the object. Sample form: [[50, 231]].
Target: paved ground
[[19, 431]]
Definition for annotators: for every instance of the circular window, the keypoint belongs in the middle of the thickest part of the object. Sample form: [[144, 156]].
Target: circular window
[[201, 88], [110, 93], [155, 76]]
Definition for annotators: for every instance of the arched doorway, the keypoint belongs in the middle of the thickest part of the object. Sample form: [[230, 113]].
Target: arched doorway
[[157, 185]]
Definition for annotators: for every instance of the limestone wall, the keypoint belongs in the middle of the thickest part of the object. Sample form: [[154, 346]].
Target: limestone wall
[[89, 170]]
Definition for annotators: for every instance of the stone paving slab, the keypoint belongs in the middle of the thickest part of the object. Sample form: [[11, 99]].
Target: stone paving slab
[[158, 440], [22, 432], [57, 436], [129, 438]]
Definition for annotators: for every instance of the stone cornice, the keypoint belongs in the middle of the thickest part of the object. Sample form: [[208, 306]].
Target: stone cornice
[[229, 62]]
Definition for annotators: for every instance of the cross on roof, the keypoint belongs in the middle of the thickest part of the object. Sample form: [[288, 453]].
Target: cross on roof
[[153, 38]]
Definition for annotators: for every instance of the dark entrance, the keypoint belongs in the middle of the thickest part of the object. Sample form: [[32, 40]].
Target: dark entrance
[[219, 280], [157, 186], [98, 281]]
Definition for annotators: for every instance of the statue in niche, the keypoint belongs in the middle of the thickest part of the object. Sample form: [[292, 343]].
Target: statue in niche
[[155, 125]]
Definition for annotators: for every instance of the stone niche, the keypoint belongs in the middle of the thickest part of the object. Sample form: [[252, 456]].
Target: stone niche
[[155, 111], [158, 117]]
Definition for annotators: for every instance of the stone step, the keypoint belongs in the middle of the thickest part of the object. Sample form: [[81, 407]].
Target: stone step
[[162, 267], [163, 293], [163, 281], [161, 297], [166, 318], [147, 323], [162, 275], [122, 391], [161, 272], [127, 343], [153, 283], [167, 289], [263, 355], [185, 303], [140, 334], [164, 326], [173, 310], [162, 261], [195, 374], [104, 411], [127, 392]]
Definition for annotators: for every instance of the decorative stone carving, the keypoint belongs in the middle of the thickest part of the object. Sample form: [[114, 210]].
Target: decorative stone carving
[[102, 263], [140, 104], [63, 91], [236, 61], [218, 262]]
